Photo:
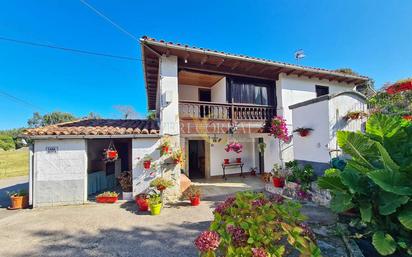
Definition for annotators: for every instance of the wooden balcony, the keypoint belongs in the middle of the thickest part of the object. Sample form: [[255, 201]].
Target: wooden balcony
[[225, 111]]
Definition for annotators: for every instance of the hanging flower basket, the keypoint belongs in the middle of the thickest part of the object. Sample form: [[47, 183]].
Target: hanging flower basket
[[278, 129], [303, 132], [234, 146], [111, 154], [147, 162]]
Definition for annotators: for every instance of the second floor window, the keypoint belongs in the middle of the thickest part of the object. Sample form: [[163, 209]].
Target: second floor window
[[250, 91], [321, 90]]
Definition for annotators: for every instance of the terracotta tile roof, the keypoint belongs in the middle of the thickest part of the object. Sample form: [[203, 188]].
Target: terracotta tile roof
[[97, 127], [146, 38]]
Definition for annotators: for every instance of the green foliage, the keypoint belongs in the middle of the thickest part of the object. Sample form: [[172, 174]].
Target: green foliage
[[7, 142], [151, 115], [39, 120], [303, 176], [155, 199], [251, 221], [397, 104], [15, 134], [377, 181]]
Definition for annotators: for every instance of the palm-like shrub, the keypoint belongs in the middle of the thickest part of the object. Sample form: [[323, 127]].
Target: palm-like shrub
[[377, 181]]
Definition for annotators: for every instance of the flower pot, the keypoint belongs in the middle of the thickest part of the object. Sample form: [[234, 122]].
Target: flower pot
[[278, 182], [19, 202], [195, 201], [146, 164], [164, 150], [239, 160], [142, 203], [106, 199], [155, 208], [128, 196], [226, 161], [304, 133], [111, 154]]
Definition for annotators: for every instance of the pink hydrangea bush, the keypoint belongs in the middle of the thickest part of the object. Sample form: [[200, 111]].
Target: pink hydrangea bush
[[251, 224], [278, 129]]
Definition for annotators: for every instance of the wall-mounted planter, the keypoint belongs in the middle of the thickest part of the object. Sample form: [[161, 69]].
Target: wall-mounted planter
[[303, 132], [238, 160], [226, 161], [147, 164]]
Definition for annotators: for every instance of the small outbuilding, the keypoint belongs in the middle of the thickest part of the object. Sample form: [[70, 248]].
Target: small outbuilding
[[323, 117], [67, 165]]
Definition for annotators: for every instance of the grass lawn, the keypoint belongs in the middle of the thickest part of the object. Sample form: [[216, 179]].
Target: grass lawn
[[14, 163]]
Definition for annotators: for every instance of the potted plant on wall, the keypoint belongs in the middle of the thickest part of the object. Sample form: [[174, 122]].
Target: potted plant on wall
[[147, 161], [107, 197], [354, 115], [125, 181], [303, 132], [178, 157], [161, 183], [155, 203], [279, 176], [142, 201], [19, 200], [193, 194], [165, 146]]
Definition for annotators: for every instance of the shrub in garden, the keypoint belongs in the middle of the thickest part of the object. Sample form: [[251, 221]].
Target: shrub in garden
[[252, 225], [377, 182], [303, 176]]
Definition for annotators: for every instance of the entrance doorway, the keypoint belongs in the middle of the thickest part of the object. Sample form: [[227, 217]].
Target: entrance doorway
[[197, 159], [261, 158]]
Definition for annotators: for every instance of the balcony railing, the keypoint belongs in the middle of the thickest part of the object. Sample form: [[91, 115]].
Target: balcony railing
[[224, 111]]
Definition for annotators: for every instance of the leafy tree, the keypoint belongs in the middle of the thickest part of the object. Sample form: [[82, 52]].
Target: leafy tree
[[15, 135], [6, 142], [39, 120], [377, 181]]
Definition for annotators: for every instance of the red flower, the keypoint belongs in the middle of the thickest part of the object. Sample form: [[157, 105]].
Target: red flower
[[259, 252], [407, 117], [207, 241], [399, 87]]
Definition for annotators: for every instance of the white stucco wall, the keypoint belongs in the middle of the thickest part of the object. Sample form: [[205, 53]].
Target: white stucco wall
[[188, 93], [61, 177], [140, 148], [339, 106], [168, 85], [291, 90], [315, 146], [219, 91]]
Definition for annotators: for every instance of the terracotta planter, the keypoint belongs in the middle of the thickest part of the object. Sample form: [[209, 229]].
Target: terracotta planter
[[106, 199], [279, 182], [19, 202], [142, 203], [304, 133], [239, 160], [195, 201], [226, 161], [146, 164]]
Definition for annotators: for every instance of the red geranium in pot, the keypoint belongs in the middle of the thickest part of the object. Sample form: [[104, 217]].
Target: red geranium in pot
[[226, 161], [303, 132], [147, 161], [164, 146], [193, 194], [239, 160], [142, 201]]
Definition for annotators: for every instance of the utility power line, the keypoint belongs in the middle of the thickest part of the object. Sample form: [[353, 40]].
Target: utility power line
[[19, 100], [73, 50], [110, 20]]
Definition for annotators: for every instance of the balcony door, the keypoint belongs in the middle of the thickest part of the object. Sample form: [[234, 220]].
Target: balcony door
[[197, 159], [205, 95]]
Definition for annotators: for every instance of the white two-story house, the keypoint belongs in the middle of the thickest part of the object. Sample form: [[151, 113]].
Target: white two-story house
[[203, 99]]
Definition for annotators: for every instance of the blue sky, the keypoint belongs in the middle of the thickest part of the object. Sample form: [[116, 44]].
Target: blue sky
[[372, 37]]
